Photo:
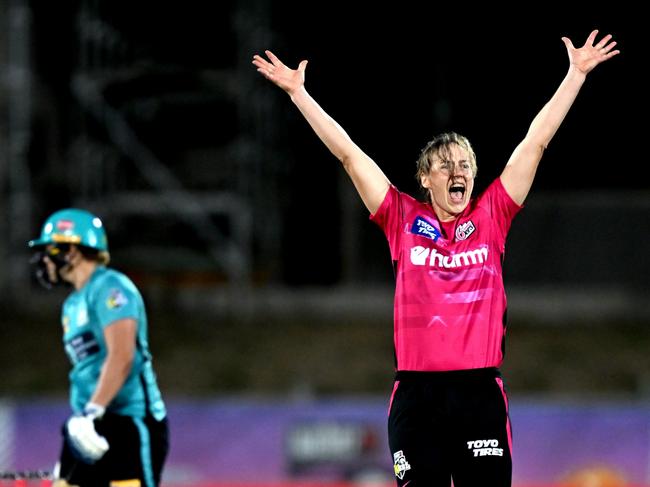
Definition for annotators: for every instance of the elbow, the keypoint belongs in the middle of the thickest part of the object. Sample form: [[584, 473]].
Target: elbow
[[345, 160], [535, 145], [128, 364], [538, 139]]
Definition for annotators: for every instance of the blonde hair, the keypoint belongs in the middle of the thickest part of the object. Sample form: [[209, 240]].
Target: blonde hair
[[102, 257]]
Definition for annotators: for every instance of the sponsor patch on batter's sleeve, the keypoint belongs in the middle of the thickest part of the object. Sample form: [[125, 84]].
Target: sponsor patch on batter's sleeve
[[116, 299]]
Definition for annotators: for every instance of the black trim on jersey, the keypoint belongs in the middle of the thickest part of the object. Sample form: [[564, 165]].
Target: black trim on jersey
[[143, 382], [395, 262], [504, 321], [145, 390]]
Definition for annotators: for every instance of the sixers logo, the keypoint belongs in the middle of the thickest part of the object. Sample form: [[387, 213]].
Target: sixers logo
[[400, 465], [464, 230]]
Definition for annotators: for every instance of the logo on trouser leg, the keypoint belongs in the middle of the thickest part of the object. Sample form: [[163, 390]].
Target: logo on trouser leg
[[400, 465], [485, 448]]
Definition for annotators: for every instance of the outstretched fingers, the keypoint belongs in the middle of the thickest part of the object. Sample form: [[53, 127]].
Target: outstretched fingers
[[607, 51], [603, 41], [267, 68], [592, 53], [568, 43], [264, 67], [274, 59], [276, 71], [604, 46], [260, 62], [592, 37]]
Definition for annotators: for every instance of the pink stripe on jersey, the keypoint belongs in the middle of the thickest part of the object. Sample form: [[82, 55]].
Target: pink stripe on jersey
[[459, 275], [392, 396], [453, 298], [449, 298], [505, 400], [467, 297]]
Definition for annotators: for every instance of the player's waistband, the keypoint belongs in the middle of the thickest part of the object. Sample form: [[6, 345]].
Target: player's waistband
[[442, 375]]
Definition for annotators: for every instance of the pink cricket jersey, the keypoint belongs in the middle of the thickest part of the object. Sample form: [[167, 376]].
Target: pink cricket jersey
[[450, 302]]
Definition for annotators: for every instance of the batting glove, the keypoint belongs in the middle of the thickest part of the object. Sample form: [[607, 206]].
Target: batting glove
[[86, 443]]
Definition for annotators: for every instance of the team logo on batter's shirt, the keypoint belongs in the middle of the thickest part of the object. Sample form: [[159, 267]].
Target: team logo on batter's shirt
[[400, 465], [425, 229], [464, 230], [116, 299]]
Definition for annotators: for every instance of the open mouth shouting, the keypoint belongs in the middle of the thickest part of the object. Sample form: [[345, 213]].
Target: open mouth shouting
[[457, 193]]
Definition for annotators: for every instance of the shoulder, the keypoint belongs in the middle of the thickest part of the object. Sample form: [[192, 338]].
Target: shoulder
[[405, 200], [398, 204], [108, 278], [494, 191]]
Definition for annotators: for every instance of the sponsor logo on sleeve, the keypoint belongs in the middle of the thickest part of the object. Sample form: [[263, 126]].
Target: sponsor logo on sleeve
[[425, 229], [116, 299]]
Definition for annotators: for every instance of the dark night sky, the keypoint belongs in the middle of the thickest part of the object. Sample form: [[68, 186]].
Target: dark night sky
[[395, 78]]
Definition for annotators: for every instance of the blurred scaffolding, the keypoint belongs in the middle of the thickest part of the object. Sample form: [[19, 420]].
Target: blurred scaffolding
[[129, 114]]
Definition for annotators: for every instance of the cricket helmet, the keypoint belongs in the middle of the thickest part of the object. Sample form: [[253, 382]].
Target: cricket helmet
[[73, 226]]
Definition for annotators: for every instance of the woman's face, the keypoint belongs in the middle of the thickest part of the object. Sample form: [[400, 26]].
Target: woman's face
[[449, 182]]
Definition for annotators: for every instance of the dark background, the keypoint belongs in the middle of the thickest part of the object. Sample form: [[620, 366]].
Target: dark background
[[393, 76]]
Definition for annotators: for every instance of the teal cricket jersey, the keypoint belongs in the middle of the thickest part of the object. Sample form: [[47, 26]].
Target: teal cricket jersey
[[108, 296]]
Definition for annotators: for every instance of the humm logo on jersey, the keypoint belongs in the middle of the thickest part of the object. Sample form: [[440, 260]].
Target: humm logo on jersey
[[426, 256]]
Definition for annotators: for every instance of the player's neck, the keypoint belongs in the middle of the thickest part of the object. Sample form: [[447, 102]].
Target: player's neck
[[81, 273]]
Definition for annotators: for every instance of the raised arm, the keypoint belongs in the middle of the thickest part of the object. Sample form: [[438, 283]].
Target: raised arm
[[518, 175], [369, 180]]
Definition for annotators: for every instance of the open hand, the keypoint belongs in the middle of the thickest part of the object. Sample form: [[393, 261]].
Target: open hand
[[286, 78], [589, 56]]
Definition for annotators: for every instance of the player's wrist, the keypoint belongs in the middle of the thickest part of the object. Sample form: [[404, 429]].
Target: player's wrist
[[94, 410]]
